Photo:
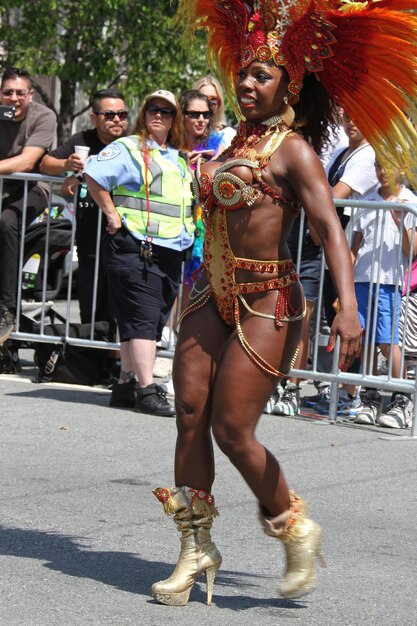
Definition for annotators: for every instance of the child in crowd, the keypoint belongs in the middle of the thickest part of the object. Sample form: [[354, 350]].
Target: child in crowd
[[389, 265]]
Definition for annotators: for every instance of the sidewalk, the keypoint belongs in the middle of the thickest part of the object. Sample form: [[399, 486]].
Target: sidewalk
[[82, 538]]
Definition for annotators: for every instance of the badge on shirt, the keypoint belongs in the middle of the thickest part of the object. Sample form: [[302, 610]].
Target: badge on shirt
[[109, 152]]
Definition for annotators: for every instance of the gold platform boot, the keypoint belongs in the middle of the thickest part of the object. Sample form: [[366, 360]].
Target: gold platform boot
[[302, 539], [193, 511]]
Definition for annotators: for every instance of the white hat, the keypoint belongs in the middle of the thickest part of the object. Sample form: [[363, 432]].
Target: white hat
[[164, 95]]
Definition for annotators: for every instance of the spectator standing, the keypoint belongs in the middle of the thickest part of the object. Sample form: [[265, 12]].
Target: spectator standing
[[109, 119], [149, 226], [200, 140], [337, 138], [408, 325], [210, 87], [367, 268], [351, 170], [351, 174], [309, 272], [204, 144]]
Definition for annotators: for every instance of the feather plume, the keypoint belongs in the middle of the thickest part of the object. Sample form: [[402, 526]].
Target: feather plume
[[364, 53], [373, 75], [224, 23]]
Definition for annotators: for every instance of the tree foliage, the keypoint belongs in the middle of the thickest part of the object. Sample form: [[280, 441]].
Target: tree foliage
[[131, 44]]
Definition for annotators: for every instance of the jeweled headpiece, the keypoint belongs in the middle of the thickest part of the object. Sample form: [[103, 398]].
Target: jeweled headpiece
[[292, 34], [364, 53]]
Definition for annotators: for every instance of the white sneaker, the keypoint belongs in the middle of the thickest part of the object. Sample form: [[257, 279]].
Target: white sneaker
[[399, 413], [289, 403], [169, 386], [371, 408], [272, 401]]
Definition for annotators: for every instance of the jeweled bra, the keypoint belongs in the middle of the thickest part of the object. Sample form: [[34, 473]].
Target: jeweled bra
[[228, 191]]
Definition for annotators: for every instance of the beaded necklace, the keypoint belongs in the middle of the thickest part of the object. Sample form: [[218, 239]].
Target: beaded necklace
[[247, 136], [250, 133]]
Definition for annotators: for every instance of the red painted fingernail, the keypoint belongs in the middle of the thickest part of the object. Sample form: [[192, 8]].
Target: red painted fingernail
[[329, 348]]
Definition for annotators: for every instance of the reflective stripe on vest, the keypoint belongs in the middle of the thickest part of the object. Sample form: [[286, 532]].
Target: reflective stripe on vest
[[139, 204], [155, 188], [170, 195]]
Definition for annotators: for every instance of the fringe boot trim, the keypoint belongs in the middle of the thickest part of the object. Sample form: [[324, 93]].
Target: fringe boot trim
[[198, 501], [287, 525], [298, 512]]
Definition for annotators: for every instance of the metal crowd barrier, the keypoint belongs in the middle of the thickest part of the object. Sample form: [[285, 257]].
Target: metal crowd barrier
[[385, 382]]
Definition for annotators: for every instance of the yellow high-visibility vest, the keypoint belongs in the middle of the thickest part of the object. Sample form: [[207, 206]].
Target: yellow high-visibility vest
[[170, 195]]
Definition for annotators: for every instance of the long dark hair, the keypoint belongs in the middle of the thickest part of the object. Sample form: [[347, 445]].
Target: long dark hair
[[315, 113]]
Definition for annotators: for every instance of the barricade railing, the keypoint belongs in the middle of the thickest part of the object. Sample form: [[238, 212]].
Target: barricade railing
[[45, 305], [385, 382]]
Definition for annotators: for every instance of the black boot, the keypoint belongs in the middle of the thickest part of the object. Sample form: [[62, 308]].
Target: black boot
[[153, 400], [123, 395]]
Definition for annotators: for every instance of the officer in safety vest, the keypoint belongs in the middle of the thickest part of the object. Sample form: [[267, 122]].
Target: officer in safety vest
[[149, 228]]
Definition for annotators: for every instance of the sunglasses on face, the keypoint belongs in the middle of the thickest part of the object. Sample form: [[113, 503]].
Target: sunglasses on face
[[110, 115], [20, 93], [164, 111], [194, 115]]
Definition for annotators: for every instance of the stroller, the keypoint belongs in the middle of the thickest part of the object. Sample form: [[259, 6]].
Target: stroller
[[32, 278], [34, 258]]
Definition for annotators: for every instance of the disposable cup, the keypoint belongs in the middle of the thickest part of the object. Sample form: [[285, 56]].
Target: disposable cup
[[83, 152]]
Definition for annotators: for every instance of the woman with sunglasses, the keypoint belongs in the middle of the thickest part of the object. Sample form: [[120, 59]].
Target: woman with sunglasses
[[210, 87], [149, 226], [200, 140], [201, 144]]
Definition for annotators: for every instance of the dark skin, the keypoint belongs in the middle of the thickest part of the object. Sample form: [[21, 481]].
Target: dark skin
[[217, 385]]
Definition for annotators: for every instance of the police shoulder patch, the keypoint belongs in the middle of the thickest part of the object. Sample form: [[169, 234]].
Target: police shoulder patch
[[109, 152]]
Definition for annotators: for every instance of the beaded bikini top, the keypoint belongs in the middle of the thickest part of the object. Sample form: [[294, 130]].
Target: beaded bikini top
[[228, 191]]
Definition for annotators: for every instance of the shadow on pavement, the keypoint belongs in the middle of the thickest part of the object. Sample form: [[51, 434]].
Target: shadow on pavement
[[86, 395], [123, 570]]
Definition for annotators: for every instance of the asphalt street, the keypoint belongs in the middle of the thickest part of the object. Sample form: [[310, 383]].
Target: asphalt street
[[82, 538]]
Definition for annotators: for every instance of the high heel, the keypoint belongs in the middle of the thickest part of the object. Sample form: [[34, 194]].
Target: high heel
[[193, 512], [302, 539], [211, 573]]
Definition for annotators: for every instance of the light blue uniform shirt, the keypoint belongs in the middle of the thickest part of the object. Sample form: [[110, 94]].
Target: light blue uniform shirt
[[114, 166]]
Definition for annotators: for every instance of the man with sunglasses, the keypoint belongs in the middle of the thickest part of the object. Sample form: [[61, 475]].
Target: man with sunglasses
[[24, 140], [109, 117]]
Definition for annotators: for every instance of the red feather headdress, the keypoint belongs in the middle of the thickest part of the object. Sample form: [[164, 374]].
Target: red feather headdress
[[364, 53]]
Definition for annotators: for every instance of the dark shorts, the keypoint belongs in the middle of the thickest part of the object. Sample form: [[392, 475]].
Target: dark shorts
[[140, 295], [310, 278]]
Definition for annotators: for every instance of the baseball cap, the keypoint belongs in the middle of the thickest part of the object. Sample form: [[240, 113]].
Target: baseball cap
[[168, 96]]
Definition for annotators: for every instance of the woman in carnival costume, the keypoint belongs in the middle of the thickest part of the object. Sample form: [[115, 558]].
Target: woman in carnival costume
[[285, 62]]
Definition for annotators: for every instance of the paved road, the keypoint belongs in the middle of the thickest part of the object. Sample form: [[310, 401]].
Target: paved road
[[82, 538]]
